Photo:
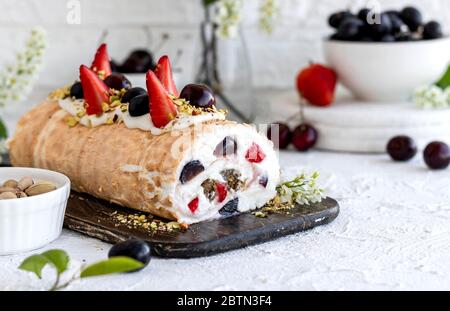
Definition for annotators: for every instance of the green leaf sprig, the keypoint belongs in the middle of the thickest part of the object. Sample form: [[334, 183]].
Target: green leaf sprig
[[444, 82], [59, 260]]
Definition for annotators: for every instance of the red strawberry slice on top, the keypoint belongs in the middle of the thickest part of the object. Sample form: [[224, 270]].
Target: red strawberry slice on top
[[95, 91], [164, 73], [101, 64], [162, 108]]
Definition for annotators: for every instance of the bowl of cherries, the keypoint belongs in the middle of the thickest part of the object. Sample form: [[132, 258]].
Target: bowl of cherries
[[383, 57]]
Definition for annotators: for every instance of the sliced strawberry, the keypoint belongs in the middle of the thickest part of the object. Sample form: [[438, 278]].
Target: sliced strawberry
[[221, 190], [162, 109], [193, 205], [255, 154], [164, 73], [95, 91], [101, 64]]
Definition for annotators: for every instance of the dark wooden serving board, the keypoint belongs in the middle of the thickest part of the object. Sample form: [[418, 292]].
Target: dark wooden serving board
[[94, 218]]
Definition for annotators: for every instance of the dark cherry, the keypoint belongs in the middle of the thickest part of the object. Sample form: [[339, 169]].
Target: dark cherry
[[263, 180], [432, 30], [198, 95], [114, 66], [139, 61], [387, 38], [190, 170], [117, 81], [133, 248], [132, 93], [304, 137], [230, 208], [397, 23], [336, 19], [284, 135], [363, 14], [139, 106], [401, 148], [76, 90], [384, 27], [226, 147], [437, 155], [404, 37], [412, 17], [350, 28]]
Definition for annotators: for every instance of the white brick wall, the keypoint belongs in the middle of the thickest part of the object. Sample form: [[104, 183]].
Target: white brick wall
[[275, 59]]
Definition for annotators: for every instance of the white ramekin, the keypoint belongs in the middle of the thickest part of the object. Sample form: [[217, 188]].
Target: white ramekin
[[33, 222]]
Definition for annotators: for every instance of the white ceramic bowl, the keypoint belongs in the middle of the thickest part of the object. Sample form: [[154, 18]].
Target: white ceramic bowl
[[387, 71], [30, 223]]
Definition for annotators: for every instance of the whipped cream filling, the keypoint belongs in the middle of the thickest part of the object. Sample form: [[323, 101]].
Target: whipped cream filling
[[75, 107], [253, 195]]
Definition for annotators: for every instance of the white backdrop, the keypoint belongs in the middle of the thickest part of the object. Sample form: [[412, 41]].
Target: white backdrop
[[275, 59]]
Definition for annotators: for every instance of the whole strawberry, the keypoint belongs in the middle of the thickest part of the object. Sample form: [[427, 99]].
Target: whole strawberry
[[316, 84]]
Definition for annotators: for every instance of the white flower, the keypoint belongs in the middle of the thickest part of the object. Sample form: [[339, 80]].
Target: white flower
[[228, 16], [301, 190], [268, 12], [432, 97], [16, 80]]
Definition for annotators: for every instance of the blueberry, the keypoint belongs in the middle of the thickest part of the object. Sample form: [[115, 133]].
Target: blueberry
[[336, 19], [77, 90], [190, 170], [198, 95], [230, 208], [432, 30], [117, 81], [412, 18], [384, 26], [139, 106], [226, 147], [133, 248], [131, 93], [350, 28]]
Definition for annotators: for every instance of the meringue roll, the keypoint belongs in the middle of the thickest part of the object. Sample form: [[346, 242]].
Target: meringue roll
[[206, 170]]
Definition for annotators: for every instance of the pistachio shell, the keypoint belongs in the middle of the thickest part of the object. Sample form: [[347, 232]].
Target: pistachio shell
[[7, 196], [40, 188], [11, 183], [7, 189], [25, 182]]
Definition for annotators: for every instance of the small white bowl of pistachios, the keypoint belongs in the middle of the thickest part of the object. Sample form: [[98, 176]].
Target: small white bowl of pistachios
[[32, 206]]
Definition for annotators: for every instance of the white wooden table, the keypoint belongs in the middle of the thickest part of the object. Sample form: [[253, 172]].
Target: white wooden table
[[393, 233]]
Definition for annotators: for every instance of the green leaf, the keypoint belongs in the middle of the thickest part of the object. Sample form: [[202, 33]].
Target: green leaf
[[208, 2], [445, 80], [35, 264], [58, 258], [3, 131], [117, 264]]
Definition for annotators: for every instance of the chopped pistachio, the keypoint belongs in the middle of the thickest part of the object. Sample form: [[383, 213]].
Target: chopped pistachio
[[72, 121]]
